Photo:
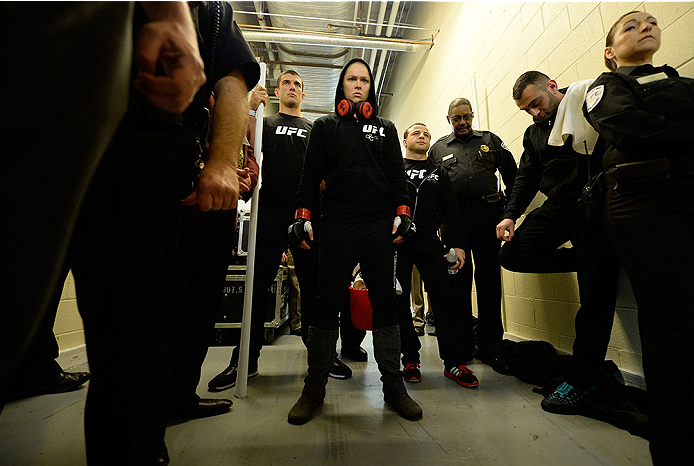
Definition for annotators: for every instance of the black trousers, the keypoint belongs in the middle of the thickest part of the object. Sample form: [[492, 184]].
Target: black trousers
[[88, 49], [427, 253], [484, 252], [651, 227], [342, 247], [533, 249], [39, 362], [204, 250], [125, 261], [271, 242]]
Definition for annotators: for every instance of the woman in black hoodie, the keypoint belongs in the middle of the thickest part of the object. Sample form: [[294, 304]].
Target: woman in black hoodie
[[358, 155]]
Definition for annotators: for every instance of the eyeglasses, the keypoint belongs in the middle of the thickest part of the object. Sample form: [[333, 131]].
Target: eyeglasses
[[467, 117]]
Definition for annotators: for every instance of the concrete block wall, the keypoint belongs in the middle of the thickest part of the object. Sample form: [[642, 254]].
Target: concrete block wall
[[493, 43], [68, 327]]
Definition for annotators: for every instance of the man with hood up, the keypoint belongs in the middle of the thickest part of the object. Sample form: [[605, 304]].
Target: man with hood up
[[365, 209]]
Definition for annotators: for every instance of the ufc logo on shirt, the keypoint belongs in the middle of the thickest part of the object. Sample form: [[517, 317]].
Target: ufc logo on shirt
[[421, 174], [289, 130], [371, 129]]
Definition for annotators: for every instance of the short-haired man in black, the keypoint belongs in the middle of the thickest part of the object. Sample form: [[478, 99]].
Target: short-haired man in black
[[555, 162], [285, 137], [472, 159], [432, 193], [365, 209]]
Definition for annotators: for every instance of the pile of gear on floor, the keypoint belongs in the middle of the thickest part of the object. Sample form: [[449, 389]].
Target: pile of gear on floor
[[611, 400]]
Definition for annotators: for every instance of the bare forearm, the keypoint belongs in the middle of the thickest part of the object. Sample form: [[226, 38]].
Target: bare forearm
[[230, 118]]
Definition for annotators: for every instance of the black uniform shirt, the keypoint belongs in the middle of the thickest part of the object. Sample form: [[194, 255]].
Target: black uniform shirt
[[285, 138], [558, 172], [642, 112], [472, 164], [432, 194]]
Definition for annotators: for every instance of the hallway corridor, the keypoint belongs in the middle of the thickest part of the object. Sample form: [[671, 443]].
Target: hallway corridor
[[500, 423]]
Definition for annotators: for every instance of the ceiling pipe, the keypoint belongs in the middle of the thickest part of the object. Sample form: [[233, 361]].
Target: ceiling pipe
[[326, 41], [261, 20], [389, 32], [366, 28], [379, 27]]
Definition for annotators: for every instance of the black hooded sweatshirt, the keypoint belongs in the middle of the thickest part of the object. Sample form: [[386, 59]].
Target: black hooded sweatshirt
[[361, 163]]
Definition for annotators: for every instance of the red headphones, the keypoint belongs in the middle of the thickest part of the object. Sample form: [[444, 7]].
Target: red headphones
[[347, 108]]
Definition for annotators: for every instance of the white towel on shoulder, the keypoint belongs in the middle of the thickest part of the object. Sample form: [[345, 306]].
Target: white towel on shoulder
[[570, 120]]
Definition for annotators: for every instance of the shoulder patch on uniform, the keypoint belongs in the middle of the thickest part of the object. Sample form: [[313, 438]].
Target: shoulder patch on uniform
[[503, 145], [594, 96]]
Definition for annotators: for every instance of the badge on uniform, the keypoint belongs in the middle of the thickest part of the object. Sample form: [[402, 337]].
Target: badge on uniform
[[484, 148], [594, 96], [449, 156]]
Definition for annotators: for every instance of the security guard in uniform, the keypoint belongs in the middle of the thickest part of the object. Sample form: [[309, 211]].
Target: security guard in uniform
[[472, 159], [644, 113]]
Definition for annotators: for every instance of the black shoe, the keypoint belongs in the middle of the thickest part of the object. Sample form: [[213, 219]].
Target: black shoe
[[497, 363], [340, 370], [355, 353], [206, 407], [227, 378], [411, 372], [462, 375], [565, 399], [429, 318], [163, 456], [59, 383]]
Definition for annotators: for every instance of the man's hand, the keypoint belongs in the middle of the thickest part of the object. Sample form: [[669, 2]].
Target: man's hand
[[258, 96], [170, 38], [244, 177], [505, 229], [218, 188], [460, 253]]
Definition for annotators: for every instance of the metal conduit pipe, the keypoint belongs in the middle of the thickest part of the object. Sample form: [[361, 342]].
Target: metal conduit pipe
[[379, 21], [366, 28], [389, 32], [324, 41], [261, 21]]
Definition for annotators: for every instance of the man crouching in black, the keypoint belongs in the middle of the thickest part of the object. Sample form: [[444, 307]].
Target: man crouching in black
[[358, 155]]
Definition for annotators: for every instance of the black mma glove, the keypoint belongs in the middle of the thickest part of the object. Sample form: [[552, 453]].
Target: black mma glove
[[300, 229], [403, 222]]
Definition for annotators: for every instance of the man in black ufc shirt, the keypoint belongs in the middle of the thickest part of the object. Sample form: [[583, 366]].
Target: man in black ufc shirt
[[432, 193], [285, 137]]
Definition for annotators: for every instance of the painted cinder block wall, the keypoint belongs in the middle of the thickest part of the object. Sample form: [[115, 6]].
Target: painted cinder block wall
[[493, 43]]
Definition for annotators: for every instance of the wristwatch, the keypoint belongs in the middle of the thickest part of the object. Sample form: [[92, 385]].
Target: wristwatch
[[252, 113]]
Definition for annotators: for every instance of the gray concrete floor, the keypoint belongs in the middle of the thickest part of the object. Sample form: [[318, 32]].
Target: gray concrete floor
[[500, 422]]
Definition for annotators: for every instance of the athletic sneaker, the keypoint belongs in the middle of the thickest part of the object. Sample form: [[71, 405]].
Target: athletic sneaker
[[565, 399], [411, 372], [340, 370], [462, 375], [227, 378]]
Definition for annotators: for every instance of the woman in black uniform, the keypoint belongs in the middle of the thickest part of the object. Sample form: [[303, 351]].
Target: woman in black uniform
[[646, 116]]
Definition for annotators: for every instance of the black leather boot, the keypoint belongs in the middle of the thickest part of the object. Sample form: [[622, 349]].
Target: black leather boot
[[387, 355], [321, 356]]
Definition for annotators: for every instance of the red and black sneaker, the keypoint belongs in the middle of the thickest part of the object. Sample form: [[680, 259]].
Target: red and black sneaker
[[462, 375], [411, 372]]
